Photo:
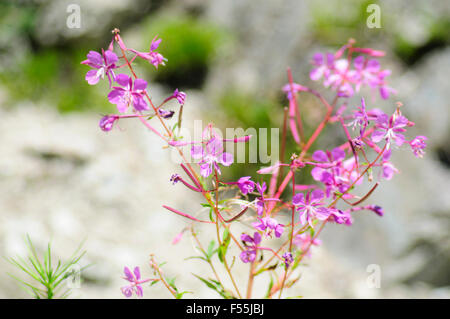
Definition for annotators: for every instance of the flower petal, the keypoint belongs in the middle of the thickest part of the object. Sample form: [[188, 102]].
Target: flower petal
[[95, 57], [123, 79], [110, 57], [140, 84], [298, 199], [320, 156], [92, 77], [226, 159]]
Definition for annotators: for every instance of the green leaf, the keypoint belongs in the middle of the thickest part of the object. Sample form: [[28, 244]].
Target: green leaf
[[210, 251], [216, 286], [180, 294], [222, 251], [269, 288]]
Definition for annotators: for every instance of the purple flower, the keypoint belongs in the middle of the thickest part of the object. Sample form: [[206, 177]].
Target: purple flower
[[180, 96], [334, 178], [135, 282], [376, 209], [175, 178], [418, 145], [368, 73], [341, 217], [152, 56], [129, 93], [246, 185], [323, 66], [106, 123], [287, 256], [360, 118], [390, 128], [251, 245], [166, 114], [271, 225], [311, 206], [210, 156], [103, 64], [338, 73]]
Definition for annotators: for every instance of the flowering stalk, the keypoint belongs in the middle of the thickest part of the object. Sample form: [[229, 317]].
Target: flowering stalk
[[337, 172]]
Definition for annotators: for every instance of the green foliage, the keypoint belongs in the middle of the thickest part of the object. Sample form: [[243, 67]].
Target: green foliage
[[217, 287], [57, 77], [189, 45], [45, 280], [222, 250]]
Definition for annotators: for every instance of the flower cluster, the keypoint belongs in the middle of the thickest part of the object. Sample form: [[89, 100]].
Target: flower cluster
[[347, 76]]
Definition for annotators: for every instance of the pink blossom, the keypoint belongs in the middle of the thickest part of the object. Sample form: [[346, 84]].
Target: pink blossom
[[152, 56], [130, 93], [210, 156], [269, 226], [310, 207], [106, 123], [246, 185], [135, 282], [103, 64], [165, 114], [390, 128], [341, 217], [360, 118], [288, 259], [251, 245], [418, 145], [337, 177]]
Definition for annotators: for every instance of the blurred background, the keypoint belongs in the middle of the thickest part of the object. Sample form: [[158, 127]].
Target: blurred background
[[64, 180]]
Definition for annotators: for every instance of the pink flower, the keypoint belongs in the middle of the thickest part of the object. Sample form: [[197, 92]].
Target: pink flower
[[323, 66], [341, 217], [311, 206], [106, 123], [103, 64], [390, 128], [418, 145], [338, 73], [246, 185], [180, 96], [135, 282], [165, 114], [337, 176], [152, 56], [269, 225], [132, 93], [251, 245], [360, 118], [210, 156], [288, 259]]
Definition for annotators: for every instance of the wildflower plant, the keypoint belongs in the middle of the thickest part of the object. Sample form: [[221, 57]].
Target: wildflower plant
[[46, 279], [282, 218]]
